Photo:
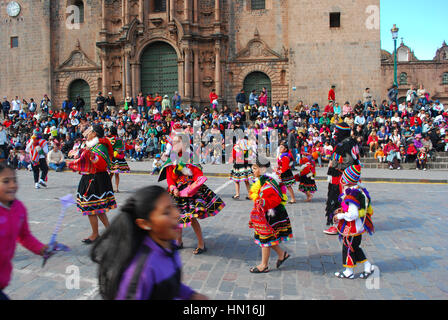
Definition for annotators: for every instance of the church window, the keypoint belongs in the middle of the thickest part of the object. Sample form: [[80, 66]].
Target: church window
[[335, 19], [403, 78], [159, 5], [14, 42], [80, 5], [258, 4], [445, 78]]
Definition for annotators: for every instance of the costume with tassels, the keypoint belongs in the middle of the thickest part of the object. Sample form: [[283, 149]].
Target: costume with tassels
[[354, 219], [241, 168], [119, 164], [269, 217], [346, 153], [307, 172], [95, 193], [195, 199]]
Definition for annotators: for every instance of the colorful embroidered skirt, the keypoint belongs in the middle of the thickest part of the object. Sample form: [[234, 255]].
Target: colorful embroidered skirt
[[270, 229], [95, 194], [307, 185], [119, 166], [241, 173], [205, 203], [287, 178]]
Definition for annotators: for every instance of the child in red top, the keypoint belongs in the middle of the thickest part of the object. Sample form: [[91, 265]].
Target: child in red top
[[284, 162], [306, 178], [13, 226]]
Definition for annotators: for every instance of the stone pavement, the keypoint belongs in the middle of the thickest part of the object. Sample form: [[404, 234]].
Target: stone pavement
[[410, 247], [223, 170]]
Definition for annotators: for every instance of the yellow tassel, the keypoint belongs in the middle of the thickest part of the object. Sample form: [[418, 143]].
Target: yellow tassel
[[254, 190], [370, 210], [362, 213]]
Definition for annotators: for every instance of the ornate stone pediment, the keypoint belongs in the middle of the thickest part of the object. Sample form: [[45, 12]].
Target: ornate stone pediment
[[78, 60], [257, 49]]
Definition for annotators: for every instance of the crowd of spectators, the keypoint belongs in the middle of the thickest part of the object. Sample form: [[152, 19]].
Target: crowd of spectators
[[393, 132]]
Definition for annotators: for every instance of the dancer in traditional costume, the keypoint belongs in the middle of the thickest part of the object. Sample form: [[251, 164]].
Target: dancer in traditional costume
[[306, 178], [193, 198], [241, 171], [119, 164], [284, 164], [269, 218], [95, 194], [37, 147], [345, 154], [353, 219]]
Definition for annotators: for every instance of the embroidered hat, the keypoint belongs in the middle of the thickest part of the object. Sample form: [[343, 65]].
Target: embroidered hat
[[343, 126], [351, 175]]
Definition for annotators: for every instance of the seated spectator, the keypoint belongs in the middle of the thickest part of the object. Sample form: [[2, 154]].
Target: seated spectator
[[411, 153], [383, 137], [328, 151], [379, 155], [24, 160], [392, 155], [427, 144], [422, 159], [372, 141], [55, 159], [138, 152], [156, 165], [317, 152], [396, 138], [13, 159]]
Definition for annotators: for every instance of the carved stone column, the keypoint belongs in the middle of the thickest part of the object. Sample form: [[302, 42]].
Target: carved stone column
[[128, 72], [197, 87], [172, 9], [218, 68], [187, 10], [142, 11], [196, 11], [217, 10], [104, 71], [188, 75], [103, 13], [180, 72]]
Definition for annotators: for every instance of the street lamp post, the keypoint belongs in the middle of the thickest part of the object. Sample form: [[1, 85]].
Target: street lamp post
[[394, 31]]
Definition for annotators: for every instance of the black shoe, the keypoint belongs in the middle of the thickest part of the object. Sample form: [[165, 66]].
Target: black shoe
[[88, 241]]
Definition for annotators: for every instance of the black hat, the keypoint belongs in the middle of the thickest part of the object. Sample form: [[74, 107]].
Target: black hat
[[98, 130], [262, 162]]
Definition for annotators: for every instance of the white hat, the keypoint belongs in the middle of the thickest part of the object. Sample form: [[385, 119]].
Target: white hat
[[110, 92]]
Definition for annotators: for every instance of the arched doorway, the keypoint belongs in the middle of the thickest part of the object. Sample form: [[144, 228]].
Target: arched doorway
[[257, 81], [80, 88], [159, 70]]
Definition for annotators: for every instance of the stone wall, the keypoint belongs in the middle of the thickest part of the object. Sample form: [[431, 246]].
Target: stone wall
[[25, 71], [347, 57]]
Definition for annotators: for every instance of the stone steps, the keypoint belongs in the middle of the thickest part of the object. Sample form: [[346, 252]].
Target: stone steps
[[439, 163]]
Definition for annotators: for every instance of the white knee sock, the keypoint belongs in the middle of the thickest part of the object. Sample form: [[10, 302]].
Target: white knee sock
[[348, 272], [367, 267]]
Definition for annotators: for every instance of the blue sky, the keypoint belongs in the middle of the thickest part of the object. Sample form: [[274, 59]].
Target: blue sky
[[422, 24]]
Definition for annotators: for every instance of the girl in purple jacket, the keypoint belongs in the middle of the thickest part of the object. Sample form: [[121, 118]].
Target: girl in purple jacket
[[13, 226], [137, 255]]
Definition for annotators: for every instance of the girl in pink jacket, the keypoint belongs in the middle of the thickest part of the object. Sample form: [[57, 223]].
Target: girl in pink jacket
[[13, 226]]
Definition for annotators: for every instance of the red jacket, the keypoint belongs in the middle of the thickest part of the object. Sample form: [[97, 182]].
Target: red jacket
[[331, 95], [213, 96]]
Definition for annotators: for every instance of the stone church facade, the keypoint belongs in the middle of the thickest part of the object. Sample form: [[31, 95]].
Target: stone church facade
[[412, 72], [295, 48]]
